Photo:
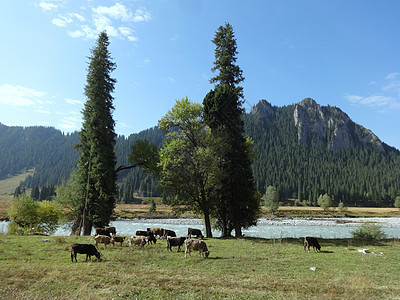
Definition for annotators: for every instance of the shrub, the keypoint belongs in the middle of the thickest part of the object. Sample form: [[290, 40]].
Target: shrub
[[325, 202], [397, 202], [29, 216], [342, 208], [368, 232]]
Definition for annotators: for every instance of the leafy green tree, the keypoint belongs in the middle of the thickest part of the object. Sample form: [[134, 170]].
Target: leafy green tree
[[27, 216], [96, 165], [187, 163], [271, 199], [397, 202], [325, 202], [153, 206], [237, 206], [342, 208]]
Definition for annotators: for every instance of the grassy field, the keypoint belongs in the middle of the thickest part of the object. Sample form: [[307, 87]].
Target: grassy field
[[8, 186], [35, 267]]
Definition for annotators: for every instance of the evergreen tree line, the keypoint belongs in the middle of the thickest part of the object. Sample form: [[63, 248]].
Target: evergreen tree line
[[358, 176], [46, 192]]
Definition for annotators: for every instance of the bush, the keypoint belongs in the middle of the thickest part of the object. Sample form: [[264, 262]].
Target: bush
[[368, 232], [325, 202], [397, 202], [28, 216]]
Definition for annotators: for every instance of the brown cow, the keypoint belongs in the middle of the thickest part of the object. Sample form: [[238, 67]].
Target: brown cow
[[168, 233], [197, 245], [103, 239], [311, 241], [196, 232]]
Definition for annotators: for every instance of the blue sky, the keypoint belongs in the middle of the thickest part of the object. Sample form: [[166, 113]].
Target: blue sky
[[341, 53]]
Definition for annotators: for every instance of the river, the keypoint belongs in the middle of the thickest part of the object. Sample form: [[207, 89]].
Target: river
[[266, 228]]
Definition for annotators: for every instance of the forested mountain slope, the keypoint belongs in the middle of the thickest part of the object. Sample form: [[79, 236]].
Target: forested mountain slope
[[306, 150], [303, 149]]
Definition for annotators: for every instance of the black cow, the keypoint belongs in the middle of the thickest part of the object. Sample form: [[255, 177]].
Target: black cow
[[311, 241], [175, 242], [102, 231], [151, 236], [87, 249], [196, 232], [111, 229]]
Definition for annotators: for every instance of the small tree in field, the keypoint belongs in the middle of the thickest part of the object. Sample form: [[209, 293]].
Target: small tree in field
[[397, 202], [271, 199], [325, 202], [342, 208], [28, 216]]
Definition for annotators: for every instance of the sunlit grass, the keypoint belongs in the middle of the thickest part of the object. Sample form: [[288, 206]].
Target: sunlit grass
[[40, 267]]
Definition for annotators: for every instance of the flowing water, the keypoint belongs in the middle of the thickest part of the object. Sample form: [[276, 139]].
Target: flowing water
[[266, 228]]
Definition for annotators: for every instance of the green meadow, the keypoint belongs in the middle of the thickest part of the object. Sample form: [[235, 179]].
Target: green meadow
[[40, 267]]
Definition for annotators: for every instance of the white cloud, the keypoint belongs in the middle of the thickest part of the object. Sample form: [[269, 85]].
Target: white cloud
[[171, 79], [146, 61], [127, 32], [73, 101], [47, 6], [141, 15], [392, 76], [78, 16], [61, 21], [18, 95], [383, 102], [116, 20], [388, 98], [42, 111], [70, 122], [118, 11]]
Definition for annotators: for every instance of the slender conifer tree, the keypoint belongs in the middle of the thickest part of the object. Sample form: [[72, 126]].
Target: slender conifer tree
[[96, 165]]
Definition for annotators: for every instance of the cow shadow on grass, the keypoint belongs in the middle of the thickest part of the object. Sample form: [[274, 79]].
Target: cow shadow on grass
[[326, 251]]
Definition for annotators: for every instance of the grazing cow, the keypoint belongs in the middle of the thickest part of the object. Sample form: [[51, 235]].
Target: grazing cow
[[149, 234], [87, 249], [196, 232], [103, 239], [118, 239], [196, 245], [156, 231], [168, 233], [311, 241], [137, 240], [175, 242], [111, 229], [102, 231]]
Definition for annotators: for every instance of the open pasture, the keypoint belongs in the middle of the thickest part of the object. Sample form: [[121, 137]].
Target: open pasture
[[36, 267]]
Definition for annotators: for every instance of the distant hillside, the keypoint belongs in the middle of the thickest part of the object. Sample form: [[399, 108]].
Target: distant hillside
[[306, 150], [303, 149]]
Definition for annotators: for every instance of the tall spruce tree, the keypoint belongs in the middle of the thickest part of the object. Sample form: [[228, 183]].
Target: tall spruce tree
[[96, 165], [237, 203]]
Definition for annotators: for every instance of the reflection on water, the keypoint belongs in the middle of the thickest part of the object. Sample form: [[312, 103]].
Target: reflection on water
[[266, 228]]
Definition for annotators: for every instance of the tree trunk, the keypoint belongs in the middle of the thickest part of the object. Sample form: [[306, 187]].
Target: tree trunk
[[238, 230], [77, 226], [207, 222]]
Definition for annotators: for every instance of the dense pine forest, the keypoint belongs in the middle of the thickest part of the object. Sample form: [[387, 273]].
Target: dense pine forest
[[304, 150]]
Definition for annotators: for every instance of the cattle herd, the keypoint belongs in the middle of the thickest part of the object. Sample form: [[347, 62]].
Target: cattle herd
[[108, 236]]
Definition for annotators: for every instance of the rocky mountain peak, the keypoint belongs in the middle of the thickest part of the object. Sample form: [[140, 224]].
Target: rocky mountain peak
[[264, 110], [326, 126]]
